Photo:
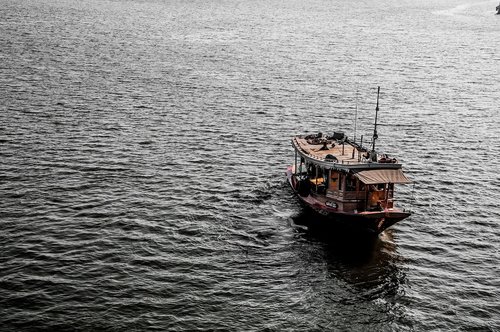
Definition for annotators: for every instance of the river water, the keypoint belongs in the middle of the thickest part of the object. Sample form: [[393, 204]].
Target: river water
[[143, 146]]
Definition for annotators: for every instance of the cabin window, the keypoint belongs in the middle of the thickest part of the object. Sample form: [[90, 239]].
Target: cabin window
[[334, 176], [350, 183], [311, 170], [302, 168], [390, 190], [319, 172], [340, 181]]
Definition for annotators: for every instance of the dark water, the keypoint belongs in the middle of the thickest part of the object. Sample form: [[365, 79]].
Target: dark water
[[143, 149]]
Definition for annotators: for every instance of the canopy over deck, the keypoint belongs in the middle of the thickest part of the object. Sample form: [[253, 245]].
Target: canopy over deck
[[375, 176]]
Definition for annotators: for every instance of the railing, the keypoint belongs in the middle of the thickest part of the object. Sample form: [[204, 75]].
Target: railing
[[346, 195]]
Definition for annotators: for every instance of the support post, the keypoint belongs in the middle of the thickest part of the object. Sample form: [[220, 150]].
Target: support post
[[316, 177], [375, 135], [295, 169]]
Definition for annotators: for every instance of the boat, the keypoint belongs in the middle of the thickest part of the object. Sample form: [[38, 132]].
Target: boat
[[345, 182]]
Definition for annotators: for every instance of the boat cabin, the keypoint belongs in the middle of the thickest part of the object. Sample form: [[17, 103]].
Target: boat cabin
[[343, 175]]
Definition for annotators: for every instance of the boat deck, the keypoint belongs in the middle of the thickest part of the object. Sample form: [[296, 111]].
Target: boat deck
[[344, 152]]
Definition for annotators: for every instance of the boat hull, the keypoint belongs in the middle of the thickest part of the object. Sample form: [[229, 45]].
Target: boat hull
[[366, 221]]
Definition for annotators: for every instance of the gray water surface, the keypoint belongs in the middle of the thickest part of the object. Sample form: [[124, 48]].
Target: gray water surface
[[142, 154]]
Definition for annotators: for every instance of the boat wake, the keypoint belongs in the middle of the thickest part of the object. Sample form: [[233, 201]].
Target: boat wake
[[462, 8]]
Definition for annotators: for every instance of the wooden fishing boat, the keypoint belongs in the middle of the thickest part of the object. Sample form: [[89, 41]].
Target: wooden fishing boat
[[345, 182]]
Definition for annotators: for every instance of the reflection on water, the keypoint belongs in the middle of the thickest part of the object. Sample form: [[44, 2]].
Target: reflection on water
[[367, 262], [140, 165], [342, 269]]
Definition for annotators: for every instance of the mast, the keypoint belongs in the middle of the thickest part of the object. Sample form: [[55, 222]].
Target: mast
[[375, 135], [356, 116]]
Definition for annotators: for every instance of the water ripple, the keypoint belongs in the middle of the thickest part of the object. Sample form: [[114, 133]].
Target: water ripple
[[143, 147]]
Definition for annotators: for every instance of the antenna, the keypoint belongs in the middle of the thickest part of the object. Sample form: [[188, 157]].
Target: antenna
[[375, 135], [356, 116]]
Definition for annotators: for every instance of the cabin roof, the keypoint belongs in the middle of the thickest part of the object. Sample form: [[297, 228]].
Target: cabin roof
[[342, 153], [374, 176]]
